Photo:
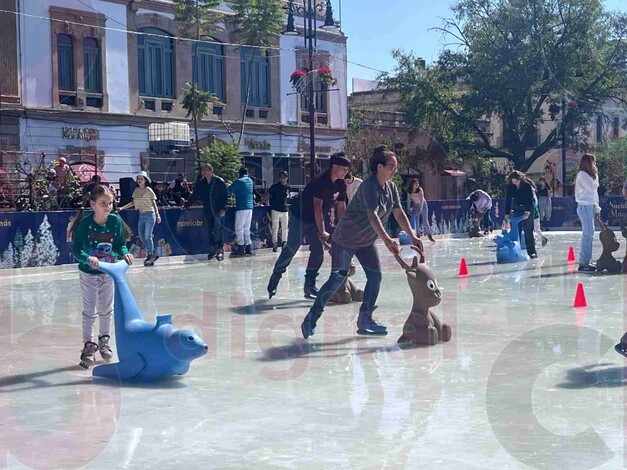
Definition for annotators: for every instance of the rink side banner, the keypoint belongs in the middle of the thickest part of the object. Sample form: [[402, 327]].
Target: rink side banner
[[39, 238]]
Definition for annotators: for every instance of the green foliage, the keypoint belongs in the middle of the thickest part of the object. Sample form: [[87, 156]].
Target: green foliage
[[198, 18], [225, 159], [515, 57], [256, 22], [196, 101], [612, 165]]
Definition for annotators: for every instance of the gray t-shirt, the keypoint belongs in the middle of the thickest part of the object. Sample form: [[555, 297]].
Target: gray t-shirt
[[354, 230]]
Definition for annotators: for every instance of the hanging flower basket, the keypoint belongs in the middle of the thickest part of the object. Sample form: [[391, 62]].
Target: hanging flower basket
[[296, 77], [326, 76]]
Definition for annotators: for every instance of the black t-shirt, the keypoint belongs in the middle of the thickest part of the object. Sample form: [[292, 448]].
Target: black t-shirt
[[322, 188], [278, 194]]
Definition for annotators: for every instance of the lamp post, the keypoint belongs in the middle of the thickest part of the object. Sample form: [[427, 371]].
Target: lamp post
[[309, 10]]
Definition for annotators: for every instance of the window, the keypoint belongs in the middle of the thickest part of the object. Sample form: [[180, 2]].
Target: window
[[208, 60], [155, 64], [91, 55], [260, 77], [65, 57], [320, 97]]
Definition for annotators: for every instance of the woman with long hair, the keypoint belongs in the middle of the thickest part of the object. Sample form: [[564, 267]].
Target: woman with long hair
[[520, 200], [588, 209], [417, 207]]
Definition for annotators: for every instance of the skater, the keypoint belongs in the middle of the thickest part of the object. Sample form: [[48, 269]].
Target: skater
[[418, 209], [545, 205], [481, 206], [356, 234], [145, 201], [588, 209], [520, 200], [307, 221], [352, 183], [537, 228], [242, 189], [278, 194], [211, 190], [98, 236]]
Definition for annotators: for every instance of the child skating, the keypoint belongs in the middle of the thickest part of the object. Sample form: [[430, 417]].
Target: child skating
[[98, 236]]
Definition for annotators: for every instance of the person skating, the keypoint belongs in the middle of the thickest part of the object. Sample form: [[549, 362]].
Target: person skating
[[242, 189], [211, 191], [481, 206], [307, 221], [278, 194], [520, 200], [356, 234], [588, 209], [418, 209]]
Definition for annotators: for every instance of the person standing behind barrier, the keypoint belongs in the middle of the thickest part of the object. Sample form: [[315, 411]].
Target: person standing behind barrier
[[211, 191], [278, 194], [418, 208], [588, 209], [481, 206], [352, 184], [544, 203], [520, 200], [308, 222], [145, 201], [242, 189]]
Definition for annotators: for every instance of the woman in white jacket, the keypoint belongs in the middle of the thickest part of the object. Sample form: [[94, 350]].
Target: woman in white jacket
[[588, 209]]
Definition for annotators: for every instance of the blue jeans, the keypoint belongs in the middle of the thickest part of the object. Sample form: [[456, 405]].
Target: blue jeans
[[586, 215], [340, 264], [144, 227], [415, 216]]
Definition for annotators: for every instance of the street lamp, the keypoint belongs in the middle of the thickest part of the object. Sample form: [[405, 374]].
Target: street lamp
[[309, 10]]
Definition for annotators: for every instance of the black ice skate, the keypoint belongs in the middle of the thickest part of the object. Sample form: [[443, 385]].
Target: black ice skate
[[88, 355], [104, 348]]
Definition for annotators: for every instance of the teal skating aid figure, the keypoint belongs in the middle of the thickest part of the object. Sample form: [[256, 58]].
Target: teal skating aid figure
[[508, 249], [146, 351]]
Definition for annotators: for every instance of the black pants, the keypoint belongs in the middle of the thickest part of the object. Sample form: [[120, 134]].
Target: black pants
[[215, 228], [525, 227], [299, 230]]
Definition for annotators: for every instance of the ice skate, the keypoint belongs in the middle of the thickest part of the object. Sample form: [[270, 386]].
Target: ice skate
[[104, 348], [88, 355]]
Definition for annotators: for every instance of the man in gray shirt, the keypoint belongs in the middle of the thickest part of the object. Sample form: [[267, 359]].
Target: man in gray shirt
[[356, 234]]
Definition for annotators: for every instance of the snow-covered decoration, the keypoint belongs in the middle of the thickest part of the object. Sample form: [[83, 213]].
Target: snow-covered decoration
[[6, 260], [18, 244], [46, 252], [26, 255], [434, 224]]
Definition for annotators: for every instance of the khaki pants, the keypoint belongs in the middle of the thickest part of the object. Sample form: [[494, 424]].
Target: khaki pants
[[282, 219], [98, 293]]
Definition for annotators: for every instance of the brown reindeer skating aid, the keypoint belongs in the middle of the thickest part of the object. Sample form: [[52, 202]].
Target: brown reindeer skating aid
[[610, 245], [423, 327]]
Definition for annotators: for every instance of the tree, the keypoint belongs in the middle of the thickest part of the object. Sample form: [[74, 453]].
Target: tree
[[258, 24], [7, 258], [26, 255], [612, 165], [46, 252], [225, 160], [527, 61], [196, 18], [18, 245]]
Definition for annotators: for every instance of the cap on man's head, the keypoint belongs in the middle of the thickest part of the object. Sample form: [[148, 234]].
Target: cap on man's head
[[63, 160], [243, 171], [340, 159]]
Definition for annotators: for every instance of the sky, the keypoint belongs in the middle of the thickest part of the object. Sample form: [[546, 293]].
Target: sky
[[374, 28]]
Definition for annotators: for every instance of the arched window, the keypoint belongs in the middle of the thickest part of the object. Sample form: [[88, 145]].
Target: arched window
[[260, 79], [155, 63], [208, 60], [91, 66], [65, 61]]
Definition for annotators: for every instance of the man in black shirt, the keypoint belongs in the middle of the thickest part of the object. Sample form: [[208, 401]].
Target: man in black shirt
[[211, 190], [308, 222], [278, 193]]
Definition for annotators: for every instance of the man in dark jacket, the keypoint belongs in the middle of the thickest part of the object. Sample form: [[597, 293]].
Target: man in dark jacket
[[211, 190]]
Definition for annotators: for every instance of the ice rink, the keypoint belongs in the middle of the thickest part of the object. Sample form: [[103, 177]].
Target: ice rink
[[526, 382]]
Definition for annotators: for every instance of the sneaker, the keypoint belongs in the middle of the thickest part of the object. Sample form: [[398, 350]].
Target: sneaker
[[220, 254], [533, 256], [587, 268], [367, 326], [88, 355], [238, 251], [212, 254], [105, 350], [274, 248]]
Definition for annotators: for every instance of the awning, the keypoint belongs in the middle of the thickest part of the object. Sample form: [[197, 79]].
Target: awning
[[454, 172], [85, 171]]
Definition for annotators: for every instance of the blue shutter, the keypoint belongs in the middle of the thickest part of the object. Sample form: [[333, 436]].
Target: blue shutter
[[264, 82], [141, 65], [65, 62], [244, 64], [91, 66], [169, 71], [155, 57]]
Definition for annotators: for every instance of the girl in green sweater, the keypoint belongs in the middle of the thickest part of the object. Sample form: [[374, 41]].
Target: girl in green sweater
[[98, 236]]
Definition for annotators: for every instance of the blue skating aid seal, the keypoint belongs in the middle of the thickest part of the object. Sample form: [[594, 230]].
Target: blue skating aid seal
[[147, 351], [508, 249], [403, 238]]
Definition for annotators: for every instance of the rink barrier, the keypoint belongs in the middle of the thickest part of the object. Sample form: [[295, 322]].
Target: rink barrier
[[31, 239]]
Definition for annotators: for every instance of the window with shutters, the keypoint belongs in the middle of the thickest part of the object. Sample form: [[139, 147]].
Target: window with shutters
[[65, 62], [155, 57], [254, 64], [91, 65], [208, 63]]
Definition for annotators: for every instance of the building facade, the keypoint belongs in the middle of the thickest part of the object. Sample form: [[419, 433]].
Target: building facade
[[93, 76]]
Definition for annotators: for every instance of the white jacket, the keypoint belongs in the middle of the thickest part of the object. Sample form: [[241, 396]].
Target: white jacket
[[586, 191]]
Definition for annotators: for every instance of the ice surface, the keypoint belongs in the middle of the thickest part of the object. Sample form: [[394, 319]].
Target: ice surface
[[526, 382]]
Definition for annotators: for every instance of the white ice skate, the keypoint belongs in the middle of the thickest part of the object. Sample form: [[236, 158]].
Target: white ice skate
[[104, 348]]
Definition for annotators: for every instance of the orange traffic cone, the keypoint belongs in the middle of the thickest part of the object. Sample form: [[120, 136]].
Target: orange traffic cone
[[571, 254], [580, 297], [463, 269]]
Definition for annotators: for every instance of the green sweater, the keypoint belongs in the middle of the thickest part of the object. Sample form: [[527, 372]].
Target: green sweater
[[106, 242]]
